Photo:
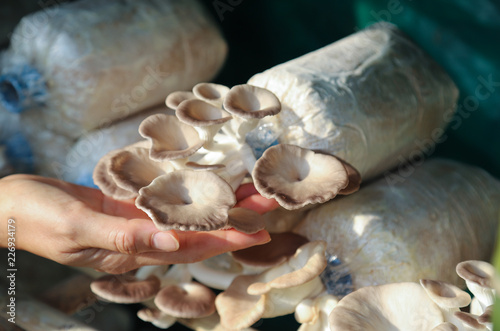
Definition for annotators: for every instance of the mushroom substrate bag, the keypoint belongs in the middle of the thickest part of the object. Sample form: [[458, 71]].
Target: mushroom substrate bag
[[77, 162], [372, 99], [91, 62], [406, 228]]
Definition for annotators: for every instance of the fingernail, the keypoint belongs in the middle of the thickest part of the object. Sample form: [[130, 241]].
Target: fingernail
[[165, 242], [265, 236]]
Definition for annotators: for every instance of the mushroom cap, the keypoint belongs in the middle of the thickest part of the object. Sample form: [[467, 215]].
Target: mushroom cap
[[237, 308], [187, 200], [104, 180], [479, 272], [274, 292], [296, 176], [186, 300], [210, 92], [200, 113], [174, 99], [245, 220], [279, 249], [353, 176], [446, 326], [445, 295], [156, 317], [306, 264], [396, 306], [470, 320], [170, 138], [125, 288], [132, 168], [486, 316], [248, 101]]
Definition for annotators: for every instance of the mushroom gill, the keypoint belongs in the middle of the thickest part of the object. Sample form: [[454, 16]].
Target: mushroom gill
[[170, 138], [296, 176], [187, 200], [274, 292], [211, 93]]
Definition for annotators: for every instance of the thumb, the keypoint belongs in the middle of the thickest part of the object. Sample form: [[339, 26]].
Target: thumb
[[128, 236]]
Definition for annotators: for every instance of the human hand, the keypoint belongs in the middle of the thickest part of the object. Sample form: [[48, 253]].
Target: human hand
[[79, 226]]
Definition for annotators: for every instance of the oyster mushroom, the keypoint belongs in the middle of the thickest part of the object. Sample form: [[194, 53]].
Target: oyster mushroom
[[128, 288], [479, 277], [201, 167], [107, 176], [448, 297], [170, 139], [396, 306], [209, 323], [486, 317], [470, 321], [175, 276], [248, 104], [245, 220], [353, 176], [174, 99], [446, 326], [281, 247], [274, 292], [186, 300], [211, 93], [187, 200], [105, 181], [296, 176], [206, 118], [313, 313], [156, 317], [132, 169], [217, 272]]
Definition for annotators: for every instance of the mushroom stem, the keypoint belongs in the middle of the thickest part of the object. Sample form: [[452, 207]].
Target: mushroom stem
[[144, 272], [245, 126], [156, 317], [177, 273], [313, 313], [214, 278], [247, 157], [221, 143], [234, 170], [179, 164]]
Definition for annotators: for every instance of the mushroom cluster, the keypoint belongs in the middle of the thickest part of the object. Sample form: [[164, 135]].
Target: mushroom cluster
[[430, 305], [258, 282], [287, 275], [185, 172], [169, 294]]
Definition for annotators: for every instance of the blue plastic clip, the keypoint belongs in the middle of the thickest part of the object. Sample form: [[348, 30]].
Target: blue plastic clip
[[21, 88]]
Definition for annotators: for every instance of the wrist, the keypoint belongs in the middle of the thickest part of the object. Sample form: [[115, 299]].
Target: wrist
[[8, 202]]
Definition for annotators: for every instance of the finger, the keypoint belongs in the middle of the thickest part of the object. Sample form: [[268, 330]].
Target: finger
[[126, 236], [196, 246], [245, 190], [258, 203]]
